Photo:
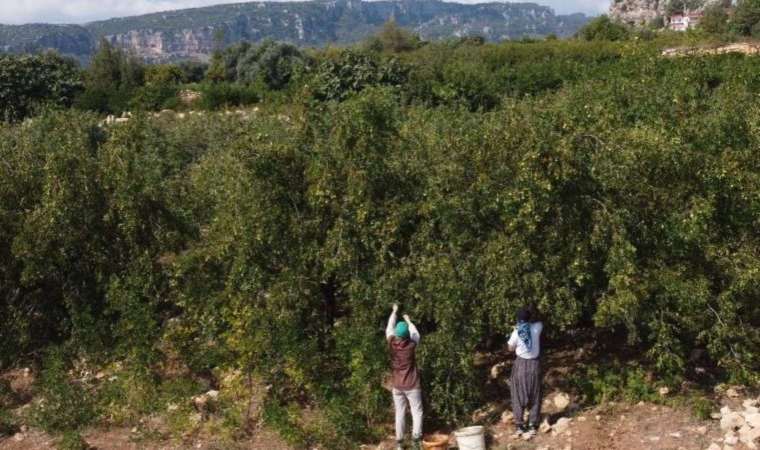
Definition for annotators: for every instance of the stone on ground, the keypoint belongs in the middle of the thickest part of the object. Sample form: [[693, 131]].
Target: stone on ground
[[561, 401], [561, 426], [731, 421]]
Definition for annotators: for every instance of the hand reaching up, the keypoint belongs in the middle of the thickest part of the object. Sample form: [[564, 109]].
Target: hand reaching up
[[407, 319], [395, 308]]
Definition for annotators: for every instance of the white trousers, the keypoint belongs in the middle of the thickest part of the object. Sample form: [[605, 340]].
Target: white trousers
[[400, 399]]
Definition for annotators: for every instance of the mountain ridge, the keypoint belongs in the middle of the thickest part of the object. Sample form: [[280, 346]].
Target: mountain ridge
[[192, 33]]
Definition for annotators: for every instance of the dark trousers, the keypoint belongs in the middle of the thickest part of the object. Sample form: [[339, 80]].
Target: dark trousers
[[526, 389]]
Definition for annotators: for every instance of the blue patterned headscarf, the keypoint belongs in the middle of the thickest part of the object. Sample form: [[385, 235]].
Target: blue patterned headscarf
[[523, 328], [523, 332]]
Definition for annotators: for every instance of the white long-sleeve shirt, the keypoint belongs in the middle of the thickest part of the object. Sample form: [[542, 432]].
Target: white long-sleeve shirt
[[390, 330]]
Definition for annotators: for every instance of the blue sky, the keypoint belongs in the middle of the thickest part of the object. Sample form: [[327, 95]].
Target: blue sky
[[79, 11]]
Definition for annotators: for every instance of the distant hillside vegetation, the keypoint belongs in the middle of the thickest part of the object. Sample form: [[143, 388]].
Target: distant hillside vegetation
[[193, 33]]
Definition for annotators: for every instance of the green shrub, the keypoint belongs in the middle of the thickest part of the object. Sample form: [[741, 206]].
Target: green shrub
[[155, 97], [603, 384], [603, 29], [224, 95], [72, 440], [8, 423], [63, 405], [30, 82], [702, 408]]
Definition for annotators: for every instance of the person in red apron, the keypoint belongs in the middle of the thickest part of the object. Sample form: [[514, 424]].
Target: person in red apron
[[403, 339]]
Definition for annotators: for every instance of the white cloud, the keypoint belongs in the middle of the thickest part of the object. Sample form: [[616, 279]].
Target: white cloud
[[571, 6], [80, 11]]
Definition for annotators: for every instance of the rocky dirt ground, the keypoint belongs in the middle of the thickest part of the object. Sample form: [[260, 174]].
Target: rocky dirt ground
[[568, 426]]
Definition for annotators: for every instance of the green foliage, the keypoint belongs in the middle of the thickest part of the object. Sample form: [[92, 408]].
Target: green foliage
[[393, 39], [702, 408], [72, 440], [163, 75], [8, 425], [603, 29], [615, 190], [63, 405], [272, 63], [111, 80], [224, 95], [715, 20], [351, 71], [155, 97], [603, 384], [746, 18], [28, 83]]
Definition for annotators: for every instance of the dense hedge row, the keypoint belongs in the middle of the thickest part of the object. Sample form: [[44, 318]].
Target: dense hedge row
[[625, 200]]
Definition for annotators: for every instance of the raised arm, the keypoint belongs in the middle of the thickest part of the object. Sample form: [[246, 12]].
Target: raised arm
[[512, 343], [414, 334], [390, 330]]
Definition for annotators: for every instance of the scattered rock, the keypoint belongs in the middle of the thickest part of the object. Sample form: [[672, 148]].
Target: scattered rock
[[18, 437], [701, 430], [654, 439], [497, 370], [714, 446], [507, 417], [545, 427], [753, 419], [749, 403], [561, 426], [732, 393], [749, 435], [716, 415], [731, 421], [484, 413], [561, 401], [730, 439], [663, 391], [675, 435]]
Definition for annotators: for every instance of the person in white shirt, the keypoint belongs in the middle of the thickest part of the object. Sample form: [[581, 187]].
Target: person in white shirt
[[403, 339], [525, 386]]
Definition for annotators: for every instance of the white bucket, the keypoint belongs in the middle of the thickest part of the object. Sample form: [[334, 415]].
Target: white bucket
[[471, 438]]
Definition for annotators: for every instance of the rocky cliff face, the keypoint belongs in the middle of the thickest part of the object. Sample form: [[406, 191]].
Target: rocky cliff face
[[638, 12], [193, 33], [72, 40], [643, 12]]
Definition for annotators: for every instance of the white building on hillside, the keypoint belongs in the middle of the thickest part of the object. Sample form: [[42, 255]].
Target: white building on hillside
[[682, 22]]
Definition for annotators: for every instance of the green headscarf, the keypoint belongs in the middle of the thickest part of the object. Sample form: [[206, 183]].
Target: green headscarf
[[402, 330]]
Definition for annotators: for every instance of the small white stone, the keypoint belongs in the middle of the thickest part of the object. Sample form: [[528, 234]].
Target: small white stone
[[753, 420], [663, 391], [675, 435], [732, 393], [701, 430], [561, 400], [18, 437], [730, 439], [213, 394], [731, 421], [561, 426], [713, 446], [749, 403], [654, 438]]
